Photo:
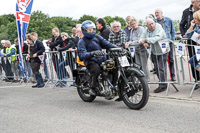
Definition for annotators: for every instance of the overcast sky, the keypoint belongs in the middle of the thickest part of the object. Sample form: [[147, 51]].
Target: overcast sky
[[100, 8]]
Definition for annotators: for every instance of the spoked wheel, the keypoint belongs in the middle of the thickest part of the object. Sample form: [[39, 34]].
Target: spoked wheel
[[136, 94], [82, 88]]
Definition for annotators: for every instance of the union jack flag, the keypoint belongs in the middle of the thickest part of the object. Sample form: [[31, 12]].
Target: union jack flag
[[23, 14]]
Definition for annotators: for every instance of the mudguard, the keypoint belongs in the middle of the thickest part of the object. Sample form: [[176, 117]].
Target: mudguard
[[134, 71]]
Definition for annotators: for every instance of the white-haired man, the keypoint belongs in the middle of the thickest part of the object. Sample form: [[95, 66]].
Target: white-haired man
[[168, 26], [117, 35], [150, 37], [11, 68]]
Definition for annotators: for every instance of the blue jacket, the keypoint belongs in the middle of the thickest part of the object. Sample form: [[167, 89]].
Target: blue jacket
[[168, 26], [93, 44], [196, 29]]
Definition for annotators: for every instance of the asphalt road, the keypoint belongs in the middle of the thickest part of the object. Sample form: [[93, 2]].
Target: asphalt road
[[60, 110]]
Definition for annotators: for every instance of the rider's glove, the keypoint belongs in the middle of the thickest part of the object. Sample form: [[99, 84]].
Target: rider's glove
[[97, 53]]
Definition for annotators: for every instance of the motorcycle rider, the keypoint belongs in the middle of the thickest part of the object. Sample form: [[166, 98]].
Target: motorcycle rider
[[89, 47]]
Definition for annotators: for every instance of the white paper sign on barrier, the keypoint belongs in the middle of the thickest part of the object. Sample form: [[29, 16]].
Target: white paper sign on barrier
[[132, 50], [197, 50], [164, 45], [195, 37], [41, 57], [180, 49], [64, 54]]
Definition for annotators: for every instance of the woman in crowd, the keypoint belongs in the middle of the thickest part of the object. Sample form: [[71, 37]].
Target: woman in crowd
[[195, 27], [141, 54], [69, 60]]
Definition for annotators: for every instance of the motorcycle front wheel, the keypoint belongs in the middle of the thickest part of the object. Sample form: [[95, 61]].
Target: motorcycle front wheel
[[136, 94]]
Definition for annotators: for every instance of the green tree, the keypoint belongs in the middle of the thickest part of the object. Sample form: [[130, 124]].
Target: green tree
[[6, 19], [64, 24], [11, 31], [7, 23], [87, 17], [176, 25], [110, 19], [41, 24]]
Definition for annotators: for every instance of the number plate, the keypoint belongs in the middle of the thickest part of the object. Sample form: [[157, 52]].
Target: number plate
[[123, 61]]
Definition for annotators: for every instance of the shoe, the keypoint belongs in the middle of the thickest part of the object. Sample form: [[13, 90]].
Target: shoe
[[173, 78], [118, 99], [73, 85], [196, 87], [92, 92], [7, 80], [35, 86], [158, 90], [15, 81], [41, 85], [153, 70], [45, 80], [32, 81]]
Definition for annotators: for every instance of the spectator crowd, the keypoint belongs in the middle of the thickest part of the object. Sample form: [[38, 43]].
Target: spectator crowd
[[142, 41]]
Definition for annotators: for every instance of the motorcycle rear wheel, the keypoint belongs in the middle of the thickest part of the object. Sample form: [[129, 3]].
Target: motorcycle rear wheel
[[83, 90]]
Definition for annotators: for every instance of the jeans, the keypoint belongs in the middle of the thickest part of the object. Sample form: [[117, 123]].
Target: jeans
[[62, 73], [45, 69], [193, 62]]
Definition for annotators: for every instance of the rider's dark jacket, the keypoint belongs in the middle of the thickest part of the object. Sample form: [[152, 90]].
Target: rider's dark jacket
[[86, 46]]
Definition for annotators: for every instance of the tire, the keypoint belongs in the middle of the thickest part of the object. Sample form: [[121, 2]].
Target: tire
[[83, 90], [138, 87]]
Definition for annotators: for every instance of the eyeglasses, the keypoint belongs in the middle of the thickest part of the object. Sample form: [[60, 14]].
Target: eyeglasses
[[115, 26]]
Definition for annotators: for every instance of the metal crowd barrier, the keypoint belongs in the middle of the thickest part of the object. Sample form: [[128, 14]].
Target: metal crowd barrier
[[148, 61], [60, 65], [57, 66], [10, 70], [190, 76]]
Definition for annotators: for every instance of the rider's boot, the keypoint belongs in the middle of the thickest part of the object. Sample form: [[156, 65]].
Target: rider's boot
[[119, 98]]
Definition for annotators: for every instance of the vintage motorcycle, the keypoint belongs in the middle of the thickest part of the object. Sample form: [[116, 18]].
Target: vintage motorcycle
[[132, 87]]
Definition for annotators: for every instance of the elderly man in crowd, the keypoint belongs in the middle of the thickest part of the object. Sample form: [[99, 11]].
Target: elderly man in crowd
[[168, 26], [74, 33], [117, 36], [11, 65], [151, 37]]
